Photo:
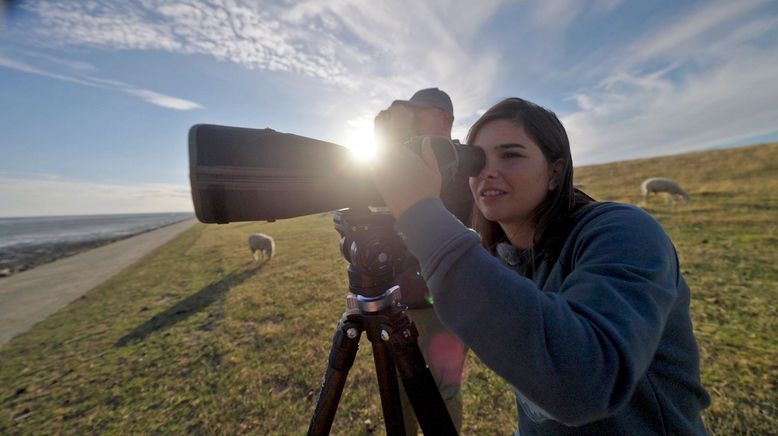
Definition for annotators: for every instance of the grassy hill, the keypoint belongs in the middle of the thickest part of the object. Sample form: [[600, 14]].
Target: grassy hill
[[198, 338]]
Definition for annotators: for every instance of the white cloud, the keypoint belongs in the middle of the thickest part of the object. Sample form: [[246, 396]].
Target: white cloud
[[653, 114], [406, 46], [243, 33], [700, 81], [14, 64], [685, 37], [377, 51], [56, 196], [75, 65], [149, 96], [164, 100]]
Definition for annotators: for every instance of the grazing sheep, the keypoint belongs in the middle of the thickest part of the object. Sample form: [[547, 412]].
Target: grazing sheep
[[659, 184], [260, 243]]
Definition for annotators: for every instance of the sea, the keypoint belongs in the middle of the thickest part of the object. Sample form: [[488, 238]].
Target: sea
[[31, 241]]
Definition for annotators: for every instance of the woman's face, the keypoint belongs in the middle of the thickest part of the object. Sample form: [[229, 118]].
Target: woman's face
[[516, 177]]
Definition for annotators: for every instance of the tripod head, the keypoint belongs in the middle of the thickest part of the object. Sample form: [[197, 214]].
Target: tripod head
[[375, 253]]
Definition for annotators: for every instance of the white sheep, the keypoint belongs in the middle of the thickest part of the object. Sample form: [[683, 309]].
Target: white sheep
[[660, 184], [260, 243]]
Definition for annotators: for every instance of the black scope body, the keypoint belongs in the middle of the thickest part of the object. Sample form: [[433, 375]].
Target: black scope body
[[242, 174]]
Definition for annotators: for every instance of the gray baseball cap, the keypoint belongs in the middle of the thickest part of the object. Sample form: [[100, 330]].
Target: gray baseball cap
[[430, 97]]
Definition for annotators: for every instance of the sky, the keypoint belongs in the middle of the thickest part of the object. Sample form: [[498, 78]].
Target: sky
[[97, 97]]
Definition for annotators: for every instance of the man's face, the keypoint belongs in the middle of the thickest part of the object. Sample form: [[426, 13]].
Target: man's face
[[428, 120]]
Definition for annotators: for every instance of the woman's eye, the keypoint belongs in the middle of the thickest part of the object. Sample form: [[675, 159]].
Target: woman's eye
[[509, 155]]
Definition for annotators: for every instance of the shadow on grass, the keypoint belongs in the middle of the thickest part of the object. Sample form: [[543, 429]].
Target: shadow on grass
[[189, 306]]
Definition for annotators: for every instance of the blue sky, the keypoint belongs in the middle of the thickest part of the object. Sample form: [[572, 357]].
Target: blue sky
[[96, 98]]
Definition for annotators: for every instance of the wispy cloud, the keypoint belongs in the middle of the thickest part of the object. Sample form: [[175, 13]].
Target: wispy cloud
[[703, 77], [70, 64], [377, 51], [689, 35], [702, 80], [163, 100], [399, 47], [57, 196], [24, 67], [243, 33], [79, 78]]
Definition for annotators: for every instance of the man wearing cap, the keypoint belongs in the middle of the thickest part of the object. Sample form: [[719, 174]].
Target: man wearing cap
[[429, 112]]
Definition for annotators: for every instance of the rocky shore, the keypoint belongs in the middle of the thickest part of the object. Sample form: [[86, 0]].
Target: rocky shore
[[14, 260]]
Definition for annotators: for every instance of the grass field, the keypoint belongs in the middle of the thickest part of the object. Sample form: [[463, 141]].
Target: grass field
[[198, 338]]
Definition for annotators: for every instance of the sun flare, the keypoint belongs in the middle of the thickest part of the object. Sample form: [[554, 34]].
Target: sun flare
[[361, 143]]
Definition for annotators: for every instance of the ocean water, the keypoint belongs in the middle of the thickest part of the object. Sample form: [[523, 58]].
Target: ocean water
[[26, 242]]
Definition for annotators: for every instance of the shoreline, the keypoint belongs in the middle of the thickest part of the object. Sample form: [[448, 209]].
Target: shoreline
[[30, 297], [47, 253]]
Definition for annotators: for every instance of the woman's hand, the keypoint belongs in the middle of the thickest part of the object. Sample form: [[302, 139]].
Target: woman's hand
[[404, 178], [394, 125]]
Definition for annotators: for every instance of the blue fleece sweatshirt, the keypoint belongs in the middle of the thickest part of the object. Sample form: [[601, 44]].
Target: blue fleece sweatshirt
[[599, 342]]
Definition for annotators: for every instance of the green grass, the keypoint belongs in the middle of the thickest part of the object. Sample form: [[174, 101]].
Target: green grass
[[198, 338]]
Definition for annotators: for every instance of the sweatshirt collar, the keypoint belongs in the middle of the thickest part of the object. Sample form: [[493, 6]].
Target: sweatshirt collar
[[512, 255]]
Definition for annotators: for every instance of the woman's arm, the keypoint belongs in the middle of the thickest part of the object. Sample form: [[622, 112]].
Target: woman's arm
[[577, 354]]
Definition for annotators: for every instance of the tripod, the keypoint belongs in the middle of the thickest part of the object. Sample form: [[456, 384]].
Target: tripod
[[375, 254]]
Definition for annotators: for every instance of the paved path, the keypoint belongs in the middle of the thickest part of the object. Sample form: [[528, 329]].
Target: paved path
[[31, 296]]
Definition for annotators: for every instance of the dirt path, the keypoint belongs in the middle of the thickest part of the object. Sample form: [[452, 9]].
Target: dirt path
[[30, 296]]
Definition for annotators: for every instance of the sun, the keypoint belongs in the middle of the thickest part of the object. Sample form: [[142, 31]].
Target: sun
[[360, 141]]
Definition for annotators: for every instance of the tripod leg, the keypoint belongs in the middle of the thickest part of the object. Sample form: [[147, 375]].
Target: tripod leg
[[345, 344], [388, 388], [428, 405]]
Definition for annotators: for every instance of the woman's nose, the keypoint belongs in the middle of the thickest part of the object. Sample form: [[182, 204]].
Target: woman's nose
[[489, 171]]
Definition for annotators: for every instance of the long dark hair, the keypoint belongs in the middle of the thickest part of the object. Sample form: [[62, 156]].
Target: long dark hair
[[554, 216]]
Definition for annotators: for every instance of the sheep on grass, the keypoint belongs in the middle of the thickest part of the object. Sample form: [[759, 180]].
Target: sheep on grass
[[659, 184], [261, 244]]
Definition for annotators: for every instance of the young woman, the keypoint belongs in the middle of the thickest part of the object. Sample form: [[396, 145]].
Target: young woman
[[579, 305]]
